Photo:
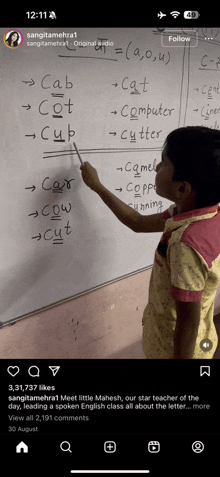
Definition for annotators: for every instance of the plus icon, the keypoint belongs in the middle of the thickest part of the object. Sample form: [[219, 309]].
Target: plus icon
[[109, 446]]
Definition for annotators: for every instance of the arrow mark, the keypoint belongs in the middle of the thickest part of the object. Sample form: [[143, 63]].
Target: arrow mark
[[30, 83], [31, 135], [38, 237], [33, 188]]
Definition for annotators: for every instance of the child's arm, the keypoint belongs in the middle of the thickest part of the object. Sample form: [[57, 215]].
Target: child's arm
[[186, 331], [128, 216]]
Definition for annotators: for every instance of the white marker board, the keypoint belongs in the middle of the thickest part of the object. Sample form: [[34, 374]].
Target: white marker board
[[117, 93]]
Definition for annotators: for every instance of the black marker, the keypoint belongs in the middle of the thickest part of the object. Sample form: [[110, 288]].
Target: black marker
[[78, 153]]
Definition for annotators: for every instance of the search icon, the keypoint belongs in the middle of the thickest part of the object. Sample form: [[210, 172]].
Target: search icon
[[63, 445], [34, 372]]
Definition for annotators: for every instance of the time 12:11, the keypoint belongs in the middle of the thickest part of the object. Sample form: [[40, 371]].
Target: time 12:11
[[36, 14]]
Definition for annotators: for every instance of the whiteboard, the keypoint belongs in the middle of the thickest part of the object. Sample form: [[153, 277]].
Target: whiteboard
[[117, 93]]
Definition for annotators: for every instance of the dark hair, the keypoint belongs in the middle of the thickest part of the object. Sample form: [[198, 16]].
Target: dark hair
[[9, 39], [195, 154]]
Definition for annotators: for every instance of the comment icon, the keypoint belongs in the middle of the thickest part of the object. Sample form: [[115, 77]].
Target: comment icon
[[34, 371]]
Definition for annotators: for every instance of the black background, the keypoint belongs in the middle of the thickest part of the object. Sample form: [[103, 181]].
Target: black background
[[132, 430], [112, 15]]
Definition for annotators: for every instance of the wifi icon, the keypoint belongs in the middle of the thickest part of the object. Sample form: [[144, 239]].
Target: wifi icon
[[175, 14]]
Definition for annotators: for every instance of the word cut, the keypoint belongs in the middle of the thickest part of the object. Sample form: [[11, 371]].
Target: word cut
[[55, 235]]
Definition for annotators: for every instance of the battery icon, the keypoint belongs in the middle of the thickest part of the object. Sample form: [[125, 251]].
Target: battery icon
[[191, 15]]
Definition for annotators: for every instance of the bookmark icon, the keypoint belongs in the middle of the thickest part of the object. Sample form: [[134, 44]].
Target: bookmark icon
[[54, 369], [204, 370]]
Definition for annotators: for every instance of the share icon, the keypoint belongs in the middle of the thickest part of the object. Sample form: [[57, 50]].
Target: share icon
[[54, 369]]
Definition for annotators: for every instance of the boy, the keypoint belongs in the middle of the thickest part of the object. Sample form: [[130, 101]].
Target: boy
[[186, 271]]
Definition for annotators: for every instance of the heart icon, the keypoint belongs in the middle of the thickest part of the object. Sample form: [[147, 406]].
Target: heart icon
[[13, 370]]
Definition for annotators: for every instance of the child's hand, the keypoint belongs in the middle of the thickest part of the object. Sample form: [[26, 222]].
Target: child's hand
[[90, 176]]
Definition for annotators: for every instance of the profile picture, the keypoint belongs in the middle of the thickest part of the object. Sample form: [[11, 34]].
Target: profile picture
[[13, 38]]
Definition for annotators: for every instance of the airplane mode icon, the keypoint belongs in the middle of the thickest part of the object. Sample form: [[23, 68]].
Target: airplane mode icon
[[161, 15]]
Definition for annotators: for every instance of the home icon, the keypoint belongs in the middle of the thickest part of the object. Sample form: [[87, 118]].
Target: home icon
[[22, 447]]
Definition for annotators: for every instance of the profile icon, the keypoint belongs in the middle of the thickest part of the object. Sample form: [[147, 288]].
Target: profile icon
[[13, 38]]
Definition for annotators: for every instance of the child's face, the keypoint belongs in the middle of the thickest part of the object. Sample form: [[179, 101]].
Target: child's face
[[165, 187]]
